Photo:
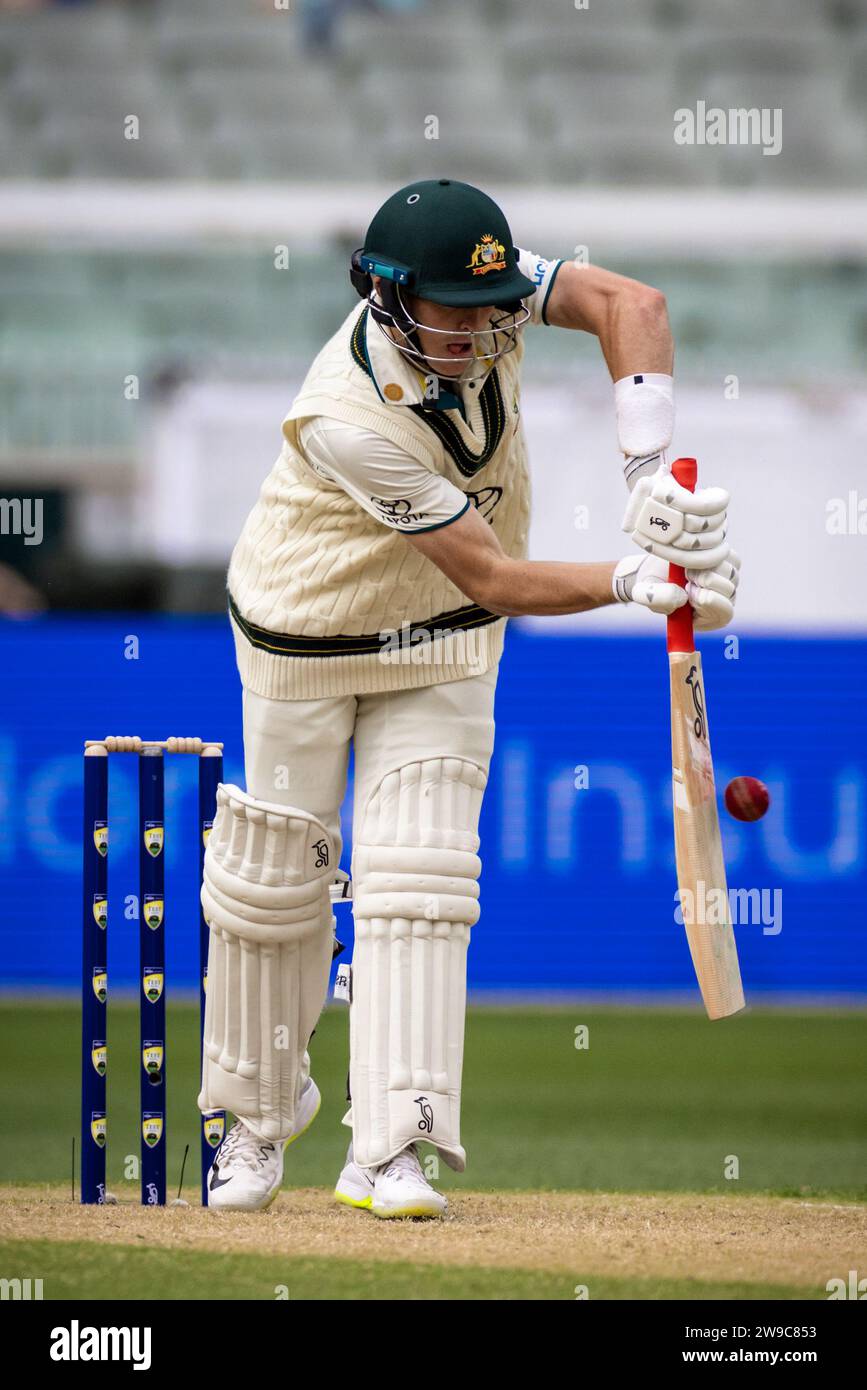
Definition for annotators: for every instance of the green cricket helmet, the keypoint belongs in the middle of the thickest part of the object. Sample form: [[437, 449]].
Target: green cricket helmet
[[448, 242]]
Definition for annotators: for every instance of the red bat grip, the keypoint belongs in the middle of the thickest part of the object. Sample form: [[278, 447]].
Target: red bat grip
[[680, 634]]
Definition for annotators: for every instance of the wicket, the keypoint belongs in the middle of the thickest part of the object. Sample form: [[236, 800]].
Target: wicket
[[152, 1001]]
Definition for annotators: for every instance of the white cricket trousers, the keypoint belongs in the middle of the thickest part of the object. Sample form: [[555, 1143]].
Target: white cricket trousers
[[296, 752]]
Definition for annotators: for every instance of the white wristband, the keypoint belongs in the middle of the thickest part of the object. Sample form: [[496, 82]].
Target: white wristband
[[644, 404]]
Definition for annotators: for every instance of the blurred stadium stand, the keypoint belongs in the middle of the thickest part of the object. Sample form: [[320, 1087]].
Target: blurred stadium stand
[[228, 89], [542, 99]]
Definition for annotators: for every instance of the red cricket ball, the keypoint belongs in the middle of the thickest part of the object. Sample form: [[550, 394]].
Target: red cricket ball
[[747, 798]]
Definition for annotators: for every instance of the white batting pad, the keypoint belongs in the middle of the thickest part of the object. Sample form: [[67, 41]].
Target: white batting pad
[[415, 875], [266, 898]]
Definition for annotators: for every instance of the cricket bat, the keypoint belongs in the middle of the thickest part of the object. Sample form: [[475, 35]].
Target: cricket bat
[[701, 873]]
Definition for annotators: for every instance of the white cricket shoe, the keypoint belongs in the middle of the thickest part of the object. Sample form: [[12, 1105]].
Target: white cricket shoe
[[355, 1185], [396, 1188], [248, 1171]]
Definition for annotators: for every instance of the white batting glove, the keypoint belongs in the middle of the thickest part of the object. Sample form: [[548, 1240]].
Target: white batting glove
[[644, 579], [681, 527], [712, 593]]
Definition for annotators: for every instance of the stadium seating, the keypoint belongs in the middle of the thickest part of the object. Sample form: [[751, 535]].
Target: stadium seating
[[545, 95], [235, 78]]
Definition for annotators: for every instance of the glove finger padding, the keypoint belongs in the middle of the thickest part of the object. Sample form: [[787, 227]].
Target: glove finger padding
[[644, 579], [712, 580], [700, 560], [704, 502], [712, 593], [674, 524], [704, 525], [658, 595], [710, 609], [731, 569]]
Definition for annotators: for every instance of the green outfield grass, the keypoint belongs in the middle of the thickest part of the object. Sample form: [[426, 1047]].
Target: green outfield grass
[[124, 1272], [656, 1103], [659, 1103]]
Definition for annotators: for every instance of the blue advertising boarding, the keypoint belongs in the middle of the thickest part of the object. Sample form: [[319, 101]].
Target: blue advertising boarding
[[578, 880]]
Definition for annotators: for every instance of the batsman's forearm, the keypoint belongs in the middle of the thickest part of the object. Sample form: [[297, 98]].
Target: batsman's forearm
[[630, 319], [635, 335], [545, 588]]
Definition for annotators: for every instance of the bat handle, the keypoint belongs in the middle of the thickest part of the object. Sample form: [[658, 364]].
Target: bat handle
[[680, 633]]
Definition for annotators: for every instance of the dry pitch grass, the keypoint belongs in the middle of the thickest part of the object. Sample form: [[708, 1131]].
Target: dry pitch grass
[[756, 1239]]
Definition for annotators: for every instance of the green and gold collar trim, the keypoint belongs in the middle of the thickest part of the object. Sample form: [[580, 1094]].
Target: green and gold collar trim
[[467, 460]]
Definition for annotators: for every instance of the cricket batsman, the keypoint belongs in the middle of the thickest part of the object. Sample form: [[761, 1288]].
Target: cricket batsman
[[368, 595]]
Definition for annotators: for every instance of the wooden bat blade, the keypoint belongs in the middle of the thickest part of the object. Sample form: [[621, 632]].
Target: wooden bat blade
[[701, 871]]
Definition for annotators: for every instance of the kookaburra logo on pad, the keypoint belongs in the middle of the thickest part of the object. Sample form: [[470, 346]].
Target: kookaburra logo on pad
[[660, 522], [426, 1111], [320, 849]]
